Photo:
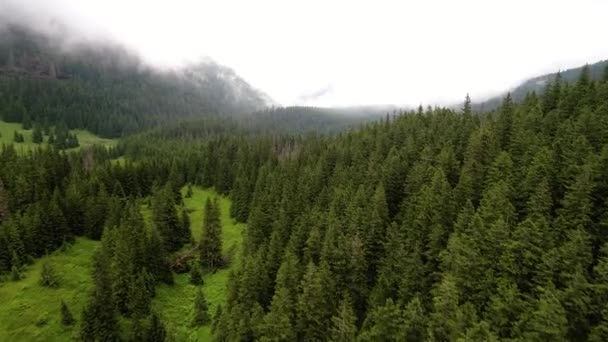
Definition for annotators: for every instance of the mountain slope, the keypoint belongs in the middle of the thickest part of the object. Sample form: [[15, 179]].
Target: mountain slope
[[538, 84], [107, 90]]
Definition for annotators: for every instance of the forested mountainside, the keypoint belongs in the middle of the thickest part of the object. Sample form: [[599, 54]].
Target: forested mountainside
[[108, 91], [539, 83], [435, 225]]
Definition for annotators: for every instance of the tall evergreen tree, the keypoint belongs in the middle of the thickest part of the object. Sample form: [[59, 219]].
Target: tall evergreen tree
[[201, 314], [66, 316], [211, 239]]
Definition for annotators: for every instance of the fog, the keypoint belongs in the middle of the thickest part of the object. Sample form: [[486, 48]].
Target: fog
[[342, 53]]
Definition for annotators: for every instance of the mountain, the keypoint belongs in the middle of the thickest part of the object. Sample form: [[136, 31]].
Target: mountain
[[106, 89], [538, 84]]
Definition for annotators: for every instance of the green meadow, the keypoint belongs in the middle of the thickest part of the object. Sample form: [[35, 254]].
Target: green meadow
[[7, 131], [30, 312]]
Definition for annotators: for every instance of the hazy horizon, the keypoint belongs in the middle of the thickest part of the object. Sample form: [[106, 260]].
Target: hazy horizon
[[344, 53]]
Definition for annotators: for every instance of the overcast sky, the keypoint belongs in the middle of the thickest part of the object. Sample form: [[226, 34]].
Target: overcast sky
[[348, 52]]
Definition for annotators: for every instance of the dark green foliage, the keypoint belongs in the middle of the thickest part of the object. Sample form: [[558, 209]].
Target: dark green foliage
[[158, 263], [4, 210], [99, 321], [185, 234], [166, 219], [201, 314], [211, 240], [66, 316], [18, 137], [343, 323], [156, 331], [26, 122], [196, 276], [37, 136], [62, 138], [437, 225], [48, 276]]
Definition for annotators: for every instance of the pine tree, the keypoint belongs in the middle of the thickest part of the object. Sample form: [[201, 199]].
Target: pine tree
[[139, 296], [18, 137], [384, 323], [37, 136], [185, 232], [156, 331], [4, 211], [480, 331], [466, 108], [166, 220], [123, 271], [66, 316], [26, 122], [313, 306], [415, 318], [505, 122], [48, 276], [158, 263], [548, 322], [446, 321], [196, 277], [343, 323], [99, 322], [211, 239], [201, 314], [279, 321]]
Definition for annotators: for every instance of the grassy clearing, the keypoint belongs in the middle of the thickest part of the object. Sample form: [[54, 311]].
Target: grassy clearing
[[85, 138], [30, 312], [175, 303], [25, 305]]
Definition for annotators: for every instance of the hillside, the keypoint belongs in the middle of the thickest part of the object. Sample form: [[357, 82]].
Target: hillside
[[108, 91], [538, 84]]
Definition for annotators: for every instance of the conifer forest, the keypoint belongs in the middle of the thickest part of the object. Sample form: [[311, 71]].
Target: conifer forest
[[146, 205]]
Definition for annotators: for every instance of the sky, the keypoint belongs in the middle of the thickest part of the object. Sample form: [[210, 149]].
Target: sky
[[344, 53]]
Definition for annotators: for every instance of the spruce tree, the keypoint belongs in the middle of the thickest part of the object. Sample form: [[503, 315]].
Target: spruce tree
[[166, 220], [185, 233], [196, 277], [156, 257], [37, 136], [4, 200], [156, 331], [201, 314], [139, 296], [343, 323], [48, 276], [211, 239], [548, 322], [279, 321], [384, 323], [99, 321], [66, 316]]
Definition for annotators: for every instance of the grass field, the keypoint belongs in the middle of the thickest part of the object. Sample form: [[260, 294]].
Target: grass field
[[7, 131], [30, 312]]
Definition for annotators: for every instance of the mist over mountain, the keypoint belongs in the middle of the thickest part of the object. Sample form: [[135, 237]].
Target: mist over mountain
[[107, 89], [538, 84]]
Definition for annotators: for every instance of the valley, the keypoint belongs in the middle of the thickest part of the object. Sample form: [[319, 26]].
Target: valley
[[150, 193]]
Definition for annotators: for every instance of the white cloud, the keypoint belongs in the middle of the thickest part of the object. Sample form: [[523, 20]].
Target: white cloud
[[370, 52]]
